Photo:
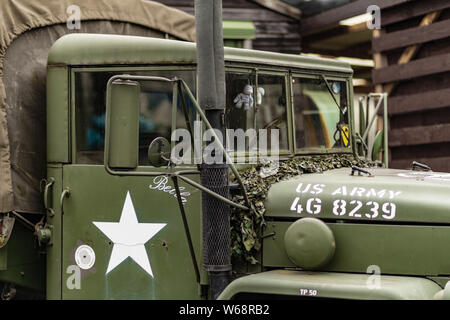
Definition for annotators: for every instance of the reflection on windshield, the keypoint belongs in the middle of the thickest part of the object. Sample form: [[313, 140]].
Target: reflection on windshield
[[317, 113]]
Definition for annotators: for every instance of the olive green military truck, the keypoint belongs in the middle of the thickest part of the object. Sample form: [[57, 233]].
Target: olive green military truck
[[120, 220]]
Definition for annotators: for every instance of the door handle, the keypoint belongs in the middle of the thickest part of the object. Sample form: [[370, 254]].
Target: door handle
[[64, 194], [48, 185]]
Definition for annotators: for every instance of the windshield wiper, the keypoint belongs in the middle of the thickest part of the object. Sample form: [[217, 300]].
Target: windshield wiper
[[343, 111]]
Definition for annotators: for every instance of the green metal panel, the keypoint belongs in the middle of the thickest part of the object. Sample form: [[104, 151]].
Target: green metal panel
[[331, 285], [57, 115], [77, 49], [25, 264], [395, 249], [3, 258], [96, 196], [442, 281], [54, 284], [377, 145], [234, 29], [407, 196], [233, 43]]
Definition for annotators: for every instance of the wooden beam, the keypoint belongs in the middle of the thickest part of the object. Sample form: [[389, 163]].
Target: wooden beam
[[412, 10], [363, 90], [362, 74], [441, 164], [410, 52], [436, 133], [361, 51], [422, 101], [276, 44], [262, 27], [280, 7], [421, 34], [413, 69], [331, 33], [331, 17]]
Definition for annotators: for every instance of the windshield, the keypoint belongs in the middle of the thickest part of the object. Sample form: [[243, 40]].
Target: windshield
[[319, 121]]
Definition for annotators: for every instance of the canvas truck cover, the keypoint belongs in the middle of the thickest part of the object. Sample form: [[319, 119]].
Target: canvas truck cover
[[28, 28]]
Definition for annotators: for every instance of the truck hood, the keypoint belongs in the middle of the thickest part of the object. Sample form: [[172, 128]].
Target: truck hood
[[386, 195]]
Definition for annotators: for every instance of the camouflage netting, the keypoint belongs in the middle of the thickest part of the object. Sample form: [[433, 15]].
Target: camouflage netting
[[246, 226]]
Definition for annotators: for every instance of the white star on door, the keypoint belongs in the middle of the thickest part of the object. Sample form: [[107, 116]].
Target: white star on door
[[129, 237]]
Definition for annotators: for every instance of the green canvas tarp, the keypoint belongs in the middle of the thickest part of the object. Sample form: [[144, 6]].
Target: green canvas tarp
[[28, 28]]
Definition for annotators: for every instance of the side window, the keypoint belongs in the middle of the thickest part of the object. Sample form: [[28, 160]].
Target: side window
[[261, 108], [155, 119], [316, 114]]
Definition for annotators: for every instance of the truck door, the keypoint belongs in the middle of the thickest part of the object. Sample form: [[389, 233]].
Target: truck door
[[123, 236]]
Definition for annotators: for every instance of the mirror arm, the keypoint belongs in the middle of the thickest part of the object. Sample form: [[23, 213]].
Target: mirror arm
[[179, 173], [227, 157], [212, 193]]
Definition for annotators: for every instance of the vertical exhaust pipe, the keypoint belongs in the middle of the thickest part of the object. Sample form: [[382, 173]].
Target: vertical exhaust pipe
[[211, 97]]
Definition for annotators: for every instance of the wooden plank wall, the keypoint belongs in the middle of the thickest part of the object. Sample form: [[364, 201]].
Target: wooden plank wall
[[414, 68], [274, 31]]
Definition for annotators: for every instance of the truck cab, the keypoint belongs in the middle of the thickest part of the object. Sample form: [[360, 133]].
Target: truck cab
[[87, 197]]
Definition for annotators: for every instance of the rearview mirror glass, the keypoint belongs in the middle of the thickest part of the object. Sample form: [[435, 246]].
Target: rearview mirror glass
[[159, 152]]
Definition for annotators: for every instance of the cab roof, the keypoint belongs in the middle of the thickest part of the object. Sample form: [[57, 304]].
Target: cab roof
[[100, 49]]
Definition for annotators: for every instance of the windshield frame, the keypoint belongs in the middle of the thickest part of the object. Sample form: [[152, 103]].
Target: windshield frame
[[74, 70], [255, 69]]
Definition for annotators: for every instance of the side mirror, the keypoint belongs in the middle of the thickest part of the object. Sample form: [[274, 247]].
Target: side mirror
[[159, 152], [122, 124]]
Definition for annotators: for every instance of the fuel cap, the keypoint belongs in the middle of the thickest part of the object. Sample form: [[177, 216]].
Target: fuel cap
[[309, 243]]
